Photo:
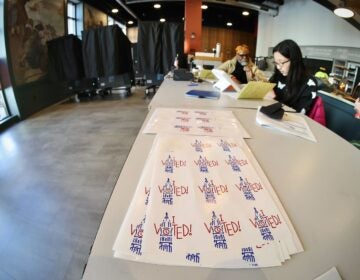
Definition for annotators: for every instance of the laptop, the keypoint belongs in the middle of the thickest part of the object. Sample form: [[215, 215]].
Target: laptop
[[251, 90]]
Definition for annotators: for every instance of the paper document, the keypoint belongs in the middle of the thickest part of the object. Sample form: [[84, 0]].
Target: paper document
[[291, 123], [251, 90], [331, 274]]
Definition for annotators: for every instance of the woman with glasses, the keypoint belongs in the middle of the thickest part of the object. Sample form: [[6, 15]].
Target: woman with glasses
[[241, 68], [294, 86]]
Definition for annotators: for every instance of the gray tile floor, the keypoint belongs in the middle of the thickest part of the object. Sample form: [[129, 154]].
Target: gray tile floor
[[57, 171]]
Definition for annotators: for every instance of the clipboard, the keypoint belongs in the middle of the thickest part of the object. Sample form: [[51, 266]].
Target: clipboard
[[251, 90], [207, 94]]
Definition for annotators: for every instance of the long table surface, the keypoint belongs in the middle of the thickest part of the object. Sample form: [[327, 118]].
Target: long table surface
[[172, 93], [317, 183]]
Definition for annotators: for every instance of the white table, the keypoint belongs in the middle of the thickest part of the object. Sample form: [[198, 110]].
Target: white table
[[172, 94], [317, 183]]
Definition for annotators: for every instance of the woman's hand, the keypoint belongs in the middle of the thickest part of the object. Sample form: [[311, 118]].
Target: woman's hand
[[270, 95], [234, 79], [249, 73]]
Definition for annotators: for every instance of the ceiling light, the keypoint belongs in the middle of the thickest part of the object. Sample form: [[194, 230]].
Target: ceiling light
[[229, 24], [157, 6], [204, 7], [162, 20], [342, 11], [130, 22], [114, 11], [245, 13]]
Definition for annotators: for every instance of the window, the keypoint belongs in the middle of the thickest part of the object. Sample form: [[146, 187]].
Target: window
[[71, 17], [3, 108], [4, 112], [75, 23]]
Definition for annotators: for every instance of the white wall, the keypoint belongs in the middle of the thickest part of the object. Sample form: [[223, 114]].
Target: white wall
[[306, 22]]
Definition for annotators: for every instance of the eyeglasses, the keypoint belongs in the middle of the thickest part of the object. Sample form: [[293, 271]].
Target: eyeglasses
[[241, 55], [280, 64]]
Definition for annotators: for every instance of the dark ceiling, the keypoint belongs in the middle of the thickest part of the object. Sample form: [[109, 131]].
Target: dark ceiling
[[219, 12]]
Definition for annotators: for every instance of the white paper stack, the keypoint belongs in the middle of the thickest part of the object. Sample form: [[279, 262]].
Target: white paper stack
[[195, 122], [291, 123], [204, 201]]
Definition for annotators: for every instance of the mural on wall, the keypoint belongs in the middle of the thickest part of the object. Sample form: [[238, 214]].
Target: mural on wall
[[30, 24], [93, 17]]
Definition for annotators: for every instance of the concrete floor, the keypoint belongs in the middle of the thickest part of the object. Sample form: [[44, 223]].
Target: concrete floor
[[57, 171]]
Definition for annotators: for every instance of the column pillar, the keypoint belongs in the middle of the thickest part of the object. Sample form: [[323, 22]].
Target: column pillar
[[192, 26]]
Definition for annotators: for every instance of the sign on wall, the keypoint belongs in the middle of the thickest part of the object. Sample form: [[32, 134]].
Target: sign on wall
[[30, 24]]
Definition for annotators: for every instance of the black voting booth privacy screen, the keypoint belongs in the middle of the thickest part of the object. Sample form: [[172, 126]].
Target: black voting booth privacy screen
[[65, 59], [106, 53], [158, 45]]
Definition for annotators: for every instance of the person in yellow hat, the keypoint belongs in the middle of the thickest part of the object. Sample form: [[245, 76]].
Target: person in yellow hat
[[321, 73], [241, 68]]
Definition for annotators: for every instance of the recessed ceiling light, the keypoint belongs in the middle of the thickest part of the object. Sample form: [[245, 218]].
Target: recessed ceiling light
[[204, 7], [130, 22], [229, 24], [114, 11], [245, 13], [162, 20], [344, 13], [157, 6]]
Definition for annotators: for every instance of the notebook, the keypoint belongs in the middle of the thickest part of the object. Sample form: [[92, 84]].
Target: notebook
[[253, 89]]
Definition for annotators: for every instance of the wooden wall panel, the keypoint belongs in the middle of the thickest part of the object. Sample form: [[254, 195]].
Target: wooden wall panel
[[228, 39]]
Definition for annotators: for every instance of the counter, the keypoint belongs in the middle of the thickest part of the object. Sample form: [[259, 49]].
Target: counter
[[208, 60], [340, 116]]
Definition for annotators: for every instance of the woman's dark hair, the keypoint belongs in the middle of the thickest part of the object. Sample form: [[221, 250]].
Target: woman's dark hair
[[297, 72]]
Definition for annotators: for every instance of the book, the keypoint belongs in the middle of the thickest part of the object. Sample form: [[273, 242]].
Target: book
[[252, 90], [203, 94]]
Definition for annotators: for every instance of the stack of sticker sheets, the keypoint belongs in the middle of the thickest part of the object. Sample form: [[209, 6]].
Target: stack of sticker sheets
[[195, 122], [204, 201]]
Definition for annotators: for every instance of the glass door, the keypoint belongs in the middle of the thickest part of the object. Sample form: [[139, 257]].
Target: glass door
[[4, 113]]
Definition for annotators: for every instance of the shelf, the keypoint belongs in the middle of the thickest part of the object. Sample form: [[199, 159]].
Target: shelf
[[342, 67]]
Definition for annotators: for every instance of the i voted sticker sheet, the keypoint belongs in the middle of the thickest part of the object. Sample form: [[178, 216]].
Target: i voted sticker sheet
[[204, 201], [195, 122]]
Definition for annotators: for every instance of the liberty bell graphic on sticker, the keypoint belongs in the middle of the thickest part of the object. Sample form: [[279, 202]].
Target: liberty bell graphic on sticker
[[264, 229], [209, 192], [197, 146], [167, 192], [234, 164], [248, 254], [147, 198], [136, 243], [165, 243], [224, 145], [218, 232], [245, 186], [203, 165], [169, 165]]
